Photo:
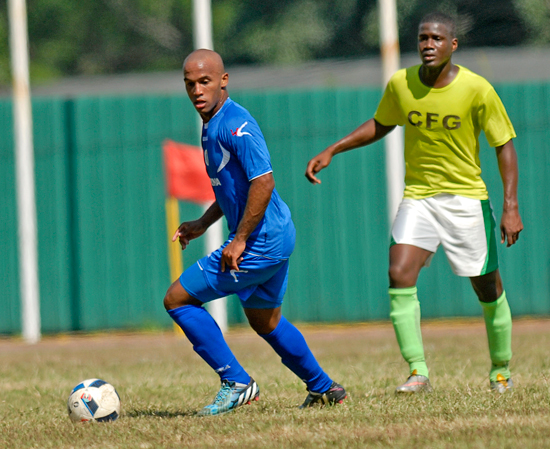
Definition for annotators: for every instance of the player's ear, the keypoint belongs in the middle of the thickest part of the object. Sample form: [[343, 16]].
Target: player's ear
[[225, 79], [454, 43]]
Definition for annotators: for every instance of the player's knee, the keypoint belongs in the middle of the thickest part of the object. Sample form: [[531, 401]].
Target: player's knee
[[400, 276], [263, 321], [487, 294], [172, 300], [169, 302], [488, 288], [177, 296], [261, 326]]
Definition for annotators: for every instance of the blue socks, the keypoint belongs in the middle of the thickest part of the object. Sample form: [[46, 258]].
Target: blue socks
[[289, 343], [208, 342]]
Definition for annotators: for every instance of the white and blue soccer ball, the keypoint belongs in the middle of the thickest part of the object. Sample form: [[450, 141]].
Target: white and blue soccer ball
[[93, 400]]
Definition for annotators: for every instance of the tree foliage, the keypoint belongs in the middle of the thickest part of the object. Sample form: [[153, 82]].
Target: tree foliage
[[88, 37], [536, 13]]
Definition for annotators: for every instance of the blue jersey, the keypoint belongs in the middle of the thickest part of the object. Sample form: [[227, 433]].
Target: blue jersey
[[235, 153]]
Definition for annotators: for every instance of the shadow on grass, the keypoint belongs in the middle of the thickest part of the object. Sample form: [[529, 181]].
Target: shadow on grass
[[158, 413]]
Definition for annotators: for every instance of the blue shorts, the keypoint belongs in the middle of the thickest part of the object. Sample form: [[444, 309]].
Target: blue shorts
[[260, 282]]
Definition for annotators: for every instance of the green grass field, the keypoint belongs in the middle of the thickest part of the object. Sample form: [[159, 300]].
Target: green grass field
[[162, 383]]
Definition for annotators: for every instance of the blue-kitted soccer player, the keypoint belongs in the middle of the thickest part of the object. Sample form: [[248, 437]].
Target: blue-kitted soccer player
[[253, 262]]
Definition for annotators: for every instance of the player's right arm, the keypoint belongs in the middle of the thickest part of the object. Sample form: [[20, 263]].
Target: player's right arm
[[190, 230], [369, 132]]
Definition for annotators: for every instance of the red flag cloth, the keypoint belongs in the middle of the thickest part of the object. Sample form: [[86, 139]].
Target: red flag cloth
[[186, 177]]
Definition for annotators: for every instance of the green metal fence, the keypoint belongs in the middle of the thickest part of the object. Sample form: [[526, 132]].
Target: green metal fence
[[101, 220]]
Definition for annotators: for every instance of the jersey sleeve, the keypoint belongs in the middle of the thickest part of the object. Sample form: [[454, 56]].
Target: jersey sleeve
[[246, 141], [494, 120], [388, 112]]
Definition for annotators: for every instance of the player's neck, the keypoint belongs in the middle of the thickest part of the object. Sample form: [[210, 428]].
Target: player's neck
[[438, 77], [208, 116]]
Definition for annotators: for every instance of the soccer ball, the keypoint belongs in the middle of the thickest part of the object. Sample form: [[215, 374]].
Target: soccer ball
[[93, 400]]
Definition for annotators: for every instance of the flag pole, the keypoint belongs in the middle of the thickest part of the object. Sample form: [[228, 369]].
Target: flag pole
[[24, 164], [202, 32], [175, 257], [174, 249]]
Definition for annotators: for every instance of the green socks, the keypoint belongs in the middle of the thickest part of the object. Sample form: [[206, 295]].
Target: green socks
[[498, 321], [405, 316]]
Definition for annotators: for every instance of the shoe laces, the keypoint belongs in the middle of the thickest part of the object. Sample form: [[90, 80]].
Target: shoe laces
[[222, 394]]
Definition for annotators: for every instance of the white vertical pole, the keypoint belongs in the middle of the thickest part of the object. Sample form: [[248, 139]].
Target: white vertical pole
[[389, 48], [202, 24], [202, 33], [214, 239], [24, 166]]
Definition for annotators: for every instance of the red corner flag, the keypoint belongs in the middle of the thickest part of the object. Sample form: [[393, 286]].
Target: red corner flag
[[186, 177]]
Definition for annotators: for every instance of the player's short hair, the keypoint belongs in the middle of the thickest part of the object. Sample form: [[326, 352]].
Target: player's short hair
[[440, 17]]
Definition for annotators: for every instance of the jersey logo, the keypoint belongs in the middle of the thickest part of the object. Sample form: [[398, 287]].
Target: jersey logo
[[449, 122], [234, 273], [225, 158], [239, 132]]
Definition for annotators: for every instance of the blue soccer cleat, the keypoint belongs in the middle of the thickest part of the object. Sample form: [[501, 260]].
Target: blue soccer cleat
[[231, 396]]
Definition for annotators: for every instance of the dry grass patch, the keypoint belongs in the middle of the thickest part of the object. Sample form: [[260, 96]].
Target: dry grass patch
[[162, 383]]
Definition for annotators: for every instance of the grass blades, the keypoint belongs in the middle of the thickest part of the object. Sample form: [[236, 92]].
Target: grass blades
[[162, 383]]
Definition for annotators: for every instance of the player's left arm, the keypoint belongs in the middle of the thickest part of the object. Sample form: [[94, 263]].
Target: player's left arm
[[259, 196], [510, 224]]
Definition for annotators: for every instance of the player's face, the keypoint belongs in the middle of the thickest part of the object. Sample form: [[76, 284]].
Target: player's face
[[435, 44], [204, 85]]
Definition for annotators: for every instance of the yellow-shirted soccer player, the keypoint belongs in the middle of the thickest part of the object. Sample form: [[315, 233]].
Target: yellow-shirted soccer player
[[443, 108]]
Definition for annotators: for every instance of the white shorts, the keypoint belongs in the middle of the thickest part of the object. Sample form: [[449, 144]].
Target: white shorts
[[464, 226]]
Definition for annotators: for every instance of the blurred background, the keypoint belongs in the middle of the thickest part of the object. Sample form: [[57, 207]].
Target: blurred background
[[107, 91], [105, 37]]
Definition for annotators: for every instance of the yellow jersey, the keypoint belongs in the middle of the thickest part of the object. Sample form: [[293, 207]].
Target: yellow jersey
[[442, 128]]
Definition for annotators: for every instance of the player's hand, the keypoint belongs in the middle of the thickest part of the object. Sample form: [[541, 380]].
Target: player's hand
[[188, 231], [510, 227], [315, 165], [232, 255]]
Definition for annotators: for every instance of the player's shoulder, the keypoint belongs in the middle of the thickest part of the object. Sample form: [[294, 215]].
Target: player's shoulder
[[237, 122], [235, 114], [402, 75], [473, 79], [404, 79]]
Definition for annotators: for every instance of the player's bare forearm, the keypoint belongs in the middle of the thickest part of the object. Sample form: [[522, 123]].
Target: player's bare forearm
[[212, 214], [190, 230], [508, 167], [259, 195], [511, 224], [369, 132]]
